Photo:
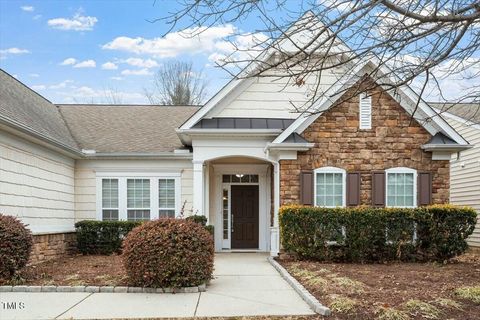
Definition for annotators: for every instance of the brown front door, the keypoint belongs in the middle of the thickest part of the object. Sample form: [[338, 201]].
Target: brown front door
[[245, 217]]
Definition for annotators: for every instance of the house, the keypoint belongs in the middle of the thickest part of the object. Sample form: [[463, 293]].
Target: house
[[236, 159], [465, 167]]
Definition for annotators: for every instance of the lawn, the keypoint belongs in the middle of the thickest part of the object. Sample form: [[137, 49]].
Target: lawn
[[394, 291]]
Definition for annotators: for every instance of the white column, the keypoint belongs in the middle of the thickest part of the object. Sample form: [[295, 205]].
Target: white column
[[198, 187], [274, 230]]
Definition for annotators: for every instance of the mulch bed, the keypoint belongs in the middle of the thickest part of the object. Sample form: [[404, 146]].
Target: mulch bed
[[378, 286], [77, 270]]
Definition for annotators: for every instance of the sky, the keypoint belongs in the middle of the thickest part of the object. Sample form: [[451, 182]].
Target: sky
[[74, 51], [78, 51]]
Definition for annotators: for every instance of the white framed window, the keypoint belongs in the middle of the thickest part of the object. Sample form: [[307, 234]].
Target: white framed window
[[365, 111], [137, 196], [329, 187], [166, 198], [138, 199], [401, 187], [110, 200]]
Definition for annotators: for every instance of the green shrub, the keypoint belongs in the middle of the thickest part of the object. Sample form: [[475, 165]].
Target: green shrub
[[202, 220], [15, 246], [168, 253], [198, 219], [364, 234], [102, 237]]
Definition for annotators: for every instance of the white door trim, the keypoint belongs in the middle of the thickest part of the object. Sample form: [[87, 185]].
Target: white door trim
[[264, 196]]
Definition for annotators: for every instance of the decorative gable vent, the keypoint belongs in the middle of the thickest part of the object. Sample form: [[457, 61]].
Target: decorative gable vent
[[365, 111]]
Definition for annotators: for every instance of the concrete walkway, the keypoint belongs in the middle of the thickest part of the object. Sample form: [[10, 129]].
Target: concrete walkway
[[245, 284]]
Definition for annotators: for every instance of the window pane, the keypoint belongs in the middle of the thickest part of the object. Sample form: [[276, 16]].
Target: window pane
[[225, 213], [409, 201], [138, 193], [138, 215], [109, 215], [109, 193], [166, 193], [338, 201], [400, 189], [338, 178], [329, 189], [328, 178], [320, 178], [166, 213], [254, 178], [329, 201], [321, 201]]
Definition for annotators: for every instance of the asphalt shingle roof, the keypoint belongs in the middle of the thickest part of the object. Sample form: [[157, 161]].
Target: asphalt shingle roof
[[126, 129], [24, 108], [467, 111]]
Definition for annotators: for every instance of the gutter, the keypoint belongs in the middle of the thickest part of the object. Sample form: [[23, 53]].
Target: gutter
[[288, 146], [248, 132], [26, 130], [134, 155], [446, 147], [184, 134]]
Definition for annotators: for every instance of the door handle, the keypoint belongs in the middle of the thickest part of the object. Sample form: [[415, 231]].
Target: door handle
[[231, 227]]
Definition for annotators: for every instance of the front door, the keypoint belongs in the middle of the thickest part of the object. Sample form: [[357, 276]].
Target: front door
[[244, 217]]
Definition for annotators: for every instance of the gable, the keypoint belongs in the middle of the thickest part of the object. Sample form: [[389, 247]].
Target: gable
[[274, 96], [404, 95], [392, 127]]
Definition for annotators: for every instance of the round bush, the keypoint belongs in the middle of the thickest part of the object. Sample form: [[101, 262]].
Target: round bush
[[168, 253], [15, 246]]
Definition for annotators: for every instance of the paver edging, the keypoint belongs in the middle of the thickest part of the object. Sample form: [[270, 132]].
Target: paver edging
[[300, 289], [101, 289]]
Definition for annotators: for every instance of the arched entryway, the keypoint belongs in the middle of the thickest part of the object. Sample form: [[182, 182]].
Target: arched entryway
[[240, 202]]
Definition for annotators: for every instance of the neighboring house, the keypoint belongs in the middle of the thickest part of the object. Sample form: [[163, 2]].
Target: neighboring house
[[465, 168], [235, 160]]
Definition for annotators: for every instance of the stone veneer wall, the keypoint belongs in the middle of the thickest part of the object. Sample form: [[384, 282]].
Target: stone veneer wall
[[393, 141], [52, 246]]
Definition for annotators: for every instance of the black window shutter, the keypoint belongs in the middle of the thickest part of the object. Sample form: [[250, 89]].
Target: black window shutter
[[353, 189], [424, 187], [378, 189], [306, 188]]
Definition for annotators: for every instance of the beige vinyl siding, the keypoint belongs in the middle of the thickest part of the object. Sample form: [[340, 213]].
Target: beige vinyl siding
[[275, 97], [85, 180], [36, 185], [465, 173]]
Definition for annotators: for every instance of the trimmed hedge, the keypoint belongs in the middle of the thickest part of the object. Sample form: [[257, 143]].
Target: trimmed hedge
[[202, 220], [102, 237], [364, 234], [168, 253], [15, 246]]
